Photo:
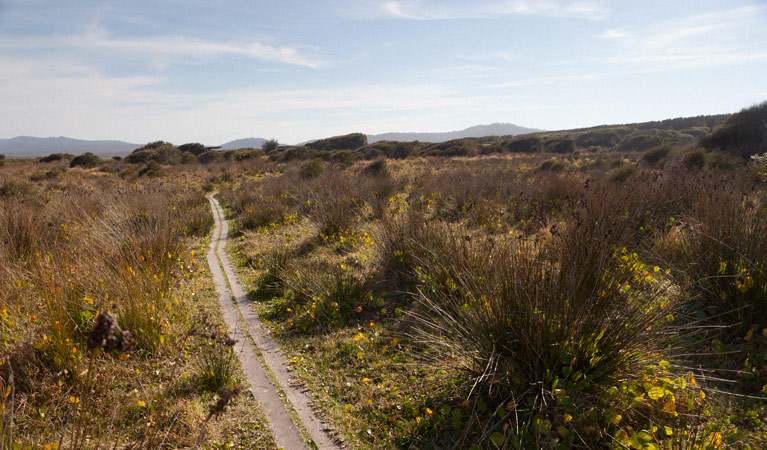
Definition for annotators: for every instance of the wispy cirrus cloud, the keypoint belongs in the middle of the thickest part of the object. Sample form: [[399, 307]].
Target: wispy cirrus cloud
[[709, 39], [53, 97], [431, 10], [497, 55], [168, 46]]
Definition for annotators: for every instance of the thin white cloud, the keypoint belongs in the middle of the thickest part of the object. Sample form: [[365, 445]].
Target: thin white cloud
[[42, 99], [498, 55], [432, 10], [96, 39], [702, 40], [537, 81]]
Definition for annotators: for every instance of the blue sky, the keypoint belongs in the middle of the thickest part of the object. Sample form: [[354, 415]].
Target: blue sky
[[294, 70]]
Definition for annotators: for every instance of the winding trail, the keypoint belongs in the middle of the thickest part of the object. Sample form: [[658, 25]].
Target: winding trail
[[245, 326]]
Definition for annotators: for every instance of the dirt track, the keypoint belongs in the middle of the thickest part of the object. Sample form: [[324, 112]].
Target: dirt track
[[245, 326]]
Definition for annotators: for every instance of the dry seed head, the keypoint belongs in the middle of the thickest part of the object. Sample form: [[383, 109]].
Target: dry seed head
[[107, 335], [226, 395]]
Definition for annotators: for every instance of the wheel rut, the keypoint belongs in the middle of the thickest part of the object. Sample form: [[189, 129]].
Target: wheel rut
[[254, 341]]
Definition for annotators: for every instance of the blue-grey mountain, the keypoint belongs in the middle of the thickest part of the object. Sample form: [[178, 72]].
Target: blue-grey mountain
[[28, 147], [495, 129]]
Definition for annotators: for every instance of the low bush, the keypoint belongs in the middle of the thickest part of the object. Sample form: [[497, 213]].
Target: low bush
[[525, 144], [743, 134], [553, 165], [152, 169], [210, 156], [598, 138], [724, 161], [312, 169], [87, 160], [640, 143], [563, 145], [695, 159], [270, 146], [346, 142], [56, 157], [622, 174], [655, 156], [377, 168]]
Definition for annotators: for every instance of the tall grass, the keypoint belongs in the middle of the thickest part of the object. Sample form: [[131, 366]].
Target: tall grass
[[70, 251], [547, 329]]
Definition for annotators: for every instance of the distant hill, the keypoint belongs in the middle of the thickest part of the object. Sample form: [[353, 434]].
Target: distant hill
[[28, 147], [495, 129], [244, 143]]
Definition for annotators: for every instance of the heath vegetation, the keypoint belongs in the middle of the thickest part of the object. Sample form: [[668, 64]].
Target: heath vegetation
[[595, 288], [109, 328], [561, 296]]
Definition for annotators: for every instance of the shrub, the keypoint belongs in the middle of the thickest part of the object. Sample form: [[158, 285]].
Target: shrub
[[312, 169], [553, 165], [622, 174], [159, 151], [195, 148], [656, 155], [760, 162], [247, 153], [87, 160], [188, 158], [141, 156], [743, 134], [525, 144], [640, 143], [56, 157], [346, 142], [270, 146], [41, 175], [128, 173], [377, 168], [724, 161], [168, 154], [598, 138], [210, 156], [401, 150], [695, 159], [343, 158], [299, 152], [564, 145], [153, 169], [456, 147]]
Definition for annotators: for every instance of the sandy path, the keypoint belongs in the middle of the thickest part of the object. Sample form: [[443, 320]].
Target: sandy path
[[243, 321]]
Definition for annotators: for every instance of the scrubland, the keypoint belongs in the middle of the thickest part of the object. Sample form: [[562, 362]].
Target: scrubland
[[488, 302], [110, 333], [599, 288]]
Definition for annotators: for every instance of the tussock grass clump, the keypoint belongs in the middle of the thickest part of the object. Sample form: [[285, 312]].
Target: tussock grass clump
[[547, 329], [327, 297], [377, 168], [332, 204]]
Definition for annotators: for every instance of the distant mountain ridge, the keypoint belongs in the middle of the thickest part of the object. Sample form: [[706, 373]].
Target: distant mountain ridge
[[495, 129], [243, 143], [28, 147]]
